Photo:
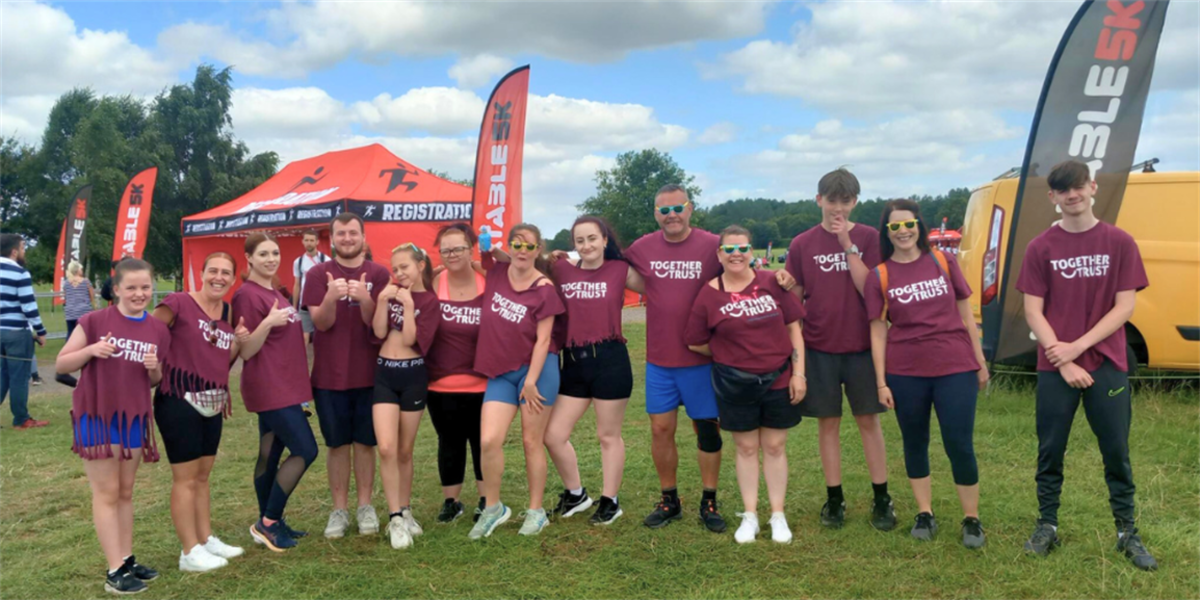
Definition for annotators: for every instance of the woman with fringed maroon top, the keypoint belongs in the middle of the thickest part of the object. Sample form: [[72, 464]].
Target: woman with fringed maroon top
[[192, 402], [117, 351]]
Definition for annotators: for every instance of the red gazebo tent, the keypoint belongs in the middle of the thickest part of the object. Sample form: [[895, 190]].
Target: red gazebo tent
[[398, 201]]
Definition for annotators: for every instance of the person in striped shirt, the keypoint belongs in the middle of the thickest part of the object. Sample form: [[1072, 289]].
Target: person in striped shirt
[[18, 312]]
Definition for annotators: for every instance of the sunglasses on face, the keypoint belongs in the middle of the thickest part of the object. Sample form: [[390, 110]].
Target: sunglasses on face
[[909, 224], [455, 251], [741, 248], [674, 208], [519, 245]]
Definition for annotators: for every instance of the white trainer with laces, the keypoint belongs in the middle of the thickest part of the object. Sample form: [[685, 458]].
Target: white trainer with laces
[[399, 533], [216, 547], [339, 521], [368, 521], [748, 530], [199, 560], [780, 532], [414, 528]]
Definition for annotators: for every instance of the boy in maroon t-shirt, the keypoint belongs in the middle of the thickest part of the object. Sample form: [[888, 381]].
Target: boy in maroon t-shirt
[[340, 297], [830, 263], [1080, 278]]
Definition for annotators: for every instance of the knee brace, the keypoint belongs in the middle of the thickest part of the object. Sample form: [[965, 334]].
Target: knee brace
[[708, 435]]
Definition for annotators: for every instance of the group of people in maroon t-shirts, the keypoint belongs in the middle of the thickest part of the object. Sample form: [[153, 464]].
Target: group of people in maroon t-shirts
[[875, 317]]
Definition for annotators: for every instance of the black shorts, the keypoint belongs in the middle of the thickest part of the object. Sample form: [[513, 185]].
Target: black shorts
[[827, 373], [401, 381], [601, 371], [186, 434], [746, 409], [345, 416]]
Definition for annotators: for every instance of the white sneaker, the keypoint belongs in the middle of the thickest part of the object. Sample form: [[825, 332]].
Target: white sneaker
[[339, 520], [535, 522], [398, 533], [368, 521], [780, 532], [414, 528], [747, 531], [216, 547], [199, 560]]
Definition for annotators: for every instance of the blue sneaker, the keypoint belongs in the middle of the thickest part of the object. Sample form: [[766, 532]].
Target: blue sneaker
[[491, 518], [275, 537]]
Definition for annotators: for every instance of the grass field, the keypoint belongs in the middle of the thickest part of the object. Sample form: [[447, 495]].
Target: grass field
[[48, 548]]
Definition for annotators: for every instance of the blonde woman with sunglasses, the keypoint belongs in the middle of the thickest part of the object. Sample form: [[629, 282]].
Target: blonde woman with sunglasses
[[406, 319]]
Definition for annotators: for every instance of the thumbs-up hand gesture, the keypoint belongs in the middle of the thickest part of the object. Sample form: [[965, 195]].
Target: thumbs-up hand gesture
[[388, 292], [278, 317], [241, 332], [404, 295], [150, 358], [104, 348], [338, 288], [357, 289]]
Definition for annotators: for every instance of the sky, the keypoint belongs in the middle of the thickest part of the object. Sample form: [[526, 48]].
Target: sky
[[755, 99]]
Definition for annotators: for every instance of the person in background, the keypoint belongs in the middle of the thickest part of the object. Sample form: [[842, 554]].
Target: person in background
[[106, 289], [751, 327], [191, 404], [78, 296], [300, 267], [18, 314], [274, 384], [117, 351], [1080, 279], [927, 357]]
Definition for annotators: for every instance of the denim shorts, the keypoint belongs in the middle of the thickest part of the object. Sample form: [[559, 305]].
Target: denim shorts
[[507, 387]]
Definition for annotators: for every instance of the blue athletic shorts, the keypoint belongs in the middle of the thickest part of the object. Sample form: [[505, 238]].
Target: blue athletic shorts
[[88, 432], [668, 387], [507, 387]]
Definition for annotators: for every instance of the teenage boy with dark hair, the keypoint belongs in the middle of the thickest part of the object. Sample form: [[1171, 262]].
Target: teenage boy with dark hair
[[830, 263], [1080, 278]]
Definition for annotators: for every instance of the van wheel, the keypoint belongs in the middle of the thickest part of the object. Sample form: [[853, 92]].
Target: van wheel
[[1131, 359]]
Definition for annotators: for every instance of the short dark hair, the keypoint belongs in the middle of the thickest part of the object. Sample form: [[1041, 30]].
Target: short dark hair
[[672, 187], [886, 249], [9, 242], [838, 183], [130, 265], [460, 228], [735, 230], [308, 232], [347, 217], [1068, 175]]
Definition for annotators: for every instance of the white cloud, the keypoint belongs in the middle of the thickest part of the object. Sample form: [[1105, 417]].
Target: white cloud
[[437, 110], [287, 113], [1172, 133], [320, 35], [478, 71], [43, 52], [718, 133], [599, 126]]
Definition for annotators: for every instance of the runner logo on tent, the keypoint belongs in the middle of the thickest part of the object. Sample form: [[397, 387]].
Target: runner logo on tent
[[308, 180], [397, 179]]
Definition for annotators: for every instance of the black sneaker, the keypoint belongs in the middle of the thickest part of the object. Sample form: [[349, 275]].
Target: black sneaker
[[451, 510], [479, 509], [833, 515], [295, 533], [972, 533], [1043, 540], [711, 518], [1130, 544], [607, 512], [570, 504], [36, 380], [123, 582], [925, 528], [275, 537], [668, 509], [142, 572], [883, 515]]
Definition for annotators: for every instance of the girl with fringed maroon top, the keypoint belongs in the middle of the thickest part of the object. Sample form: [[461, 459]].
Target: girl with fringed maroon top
[[117, 351], [192, 402]]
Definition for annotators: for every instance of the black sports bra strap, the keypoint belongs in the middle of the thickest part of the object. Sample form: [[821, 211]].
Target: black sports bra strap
[[721, 283], [225, 311]]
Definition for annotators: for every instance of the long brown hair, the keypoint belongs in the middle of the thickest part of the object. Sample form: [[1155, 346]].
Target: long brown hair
[[252, 242], [886, 249], [612, 249]]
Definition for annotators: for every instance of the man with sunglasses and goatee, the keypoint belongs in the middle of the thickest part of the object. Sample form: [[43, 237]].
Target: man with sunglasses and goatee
[[1080, 278], [830, 263], [675, 262]]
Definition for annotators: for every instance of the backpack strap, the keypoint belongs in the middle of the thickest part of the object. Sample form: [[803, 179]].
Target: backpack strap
[[882, 273]]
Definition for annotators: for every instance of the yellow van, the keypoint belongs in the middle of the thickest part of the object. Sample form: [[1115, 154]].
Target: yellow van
[[1161, 211]]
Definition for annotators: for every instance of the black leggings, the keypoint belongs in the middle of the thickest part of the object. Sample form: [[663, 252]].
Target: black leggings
[[456, 419], [273, 481], [953, 397]]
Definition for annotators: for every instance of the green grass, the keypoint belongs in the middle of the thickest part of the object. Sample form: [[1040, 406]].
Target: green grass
[[48, 547]]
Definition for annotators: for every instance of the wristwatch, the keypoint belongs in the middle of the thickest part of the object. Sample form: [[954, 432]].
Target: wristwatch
[[853, 249]]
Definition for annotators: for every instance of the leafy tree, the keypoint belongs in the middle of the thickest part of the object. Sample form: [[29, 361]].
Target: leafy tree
[[446, 175], [625, 194], [763, 233], [562, 241]]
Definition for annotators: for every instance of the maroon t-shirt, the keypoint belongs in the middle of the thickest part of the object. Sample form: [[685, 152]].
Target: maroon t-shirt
[[1079, 275], [426, 306], [593, 299], [674, 273], [508, 322], [344, 356], [457, 336], [199, 358], [276, 377], [835, 319], [927, 337], [747, 330], [120, 384]]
